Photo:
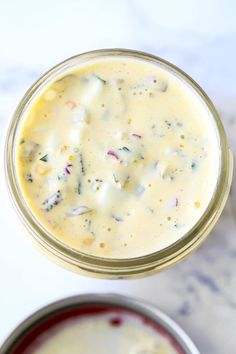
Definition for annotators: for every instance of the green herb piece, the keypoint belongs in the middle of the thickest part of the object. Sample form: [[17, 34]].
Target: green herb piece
[[99, 78], [168, 123], [22, 140], [44, 158], [81, 164], [52, 201], [141, 156], [194, 165], [115, 179], [179, 124], [89, 225], [62, 177], [124, 148], [79, 187], [29, 178]]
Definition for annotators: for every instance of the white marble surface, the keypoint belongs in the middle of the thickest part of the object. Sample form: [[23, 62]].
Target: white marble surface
[[198, 36]]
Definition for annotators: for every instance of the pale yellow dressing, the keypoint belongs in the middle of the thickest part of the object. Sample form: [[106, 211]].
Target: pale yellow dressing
[[129, 155]]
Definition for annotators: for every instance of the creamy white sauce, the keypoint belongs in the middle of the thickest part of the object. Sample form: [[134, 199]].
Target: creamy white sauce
[[118, 158]]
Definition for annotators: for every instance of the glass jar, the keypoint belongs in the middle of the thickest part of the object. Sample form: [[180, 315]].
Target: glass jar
[[44, 320], [107, 267]]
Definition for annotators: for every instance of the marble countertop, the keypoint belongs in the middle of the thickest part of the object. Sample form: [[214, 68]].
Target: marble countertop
[[199, 37]]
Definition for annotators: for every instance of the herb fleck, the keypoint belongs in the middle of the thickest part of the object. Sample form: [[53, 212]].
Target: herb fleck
[[50, 202], [29, 177], [44, 158], [194, 165], [124, 148], [99, 78], [81, 164], [79, 187], [168, 123]]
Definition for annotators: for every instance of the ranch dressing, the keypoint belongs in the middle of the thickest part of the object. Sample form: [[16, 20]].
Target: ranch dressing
[[118, 158]]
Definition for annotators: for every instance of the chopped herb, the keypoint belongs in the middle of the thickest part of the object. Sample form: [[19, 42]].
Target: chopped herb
[[29, 177], [168, 123], [30, 150], [156, 164], [124, 148], [150, 210], [89, 225], [115, 179], [44, 158], [22, 140], [126, 181], [62, 177], [163, 86], [81, 164], [50, 202], [121, 182], [96, 185], [99, 78], [141, 156], [194, 165], [79, 187]]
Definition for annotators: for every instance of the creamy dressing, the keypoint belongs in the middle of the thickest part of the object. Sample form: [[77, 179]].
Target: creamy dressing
[[102, 334], [118, 158]]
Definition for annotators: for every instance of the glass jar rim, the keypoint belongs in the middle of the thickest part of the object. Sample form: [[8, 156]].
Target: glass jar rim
[[117, 267]]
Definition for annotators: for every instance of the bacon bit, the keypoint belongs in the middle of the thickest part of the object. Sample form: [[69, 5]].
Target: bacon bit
[[70, 105], [113, 153], [68, 168], [197, 205], [137, 136], [115, 321]]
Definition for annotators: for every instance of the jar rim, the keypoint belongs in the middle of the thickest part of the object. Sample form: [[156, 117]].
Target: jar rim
[[118, 267]]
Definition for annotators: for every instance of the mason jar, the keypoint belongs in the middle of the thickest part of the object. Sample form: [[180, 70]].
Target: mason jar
[[102, 267]]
